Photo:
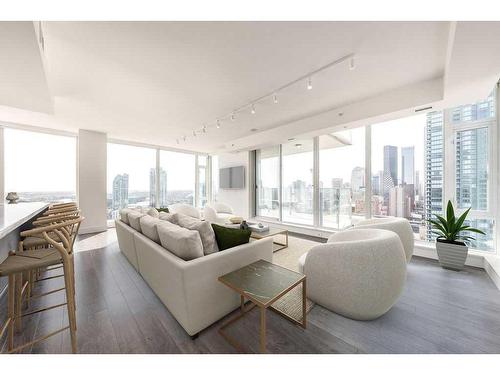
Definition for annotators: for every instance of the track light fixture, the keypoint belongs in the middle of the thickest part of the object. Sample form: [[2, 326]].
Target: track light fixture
[[352, 64], [309, 83], [349, 59]]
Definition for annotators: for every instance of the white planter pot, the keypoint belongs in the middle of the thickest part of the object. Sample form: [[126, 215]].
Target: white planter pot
[[451, 255]]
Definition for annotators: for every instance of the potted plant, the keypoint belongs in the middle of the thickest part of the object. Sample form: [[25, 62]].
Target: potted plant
[[451, 244]]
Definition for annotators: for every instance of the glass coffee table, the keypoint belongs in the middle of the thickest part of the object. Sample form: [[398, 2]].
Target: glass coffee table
[[272, 232], [262, 283]]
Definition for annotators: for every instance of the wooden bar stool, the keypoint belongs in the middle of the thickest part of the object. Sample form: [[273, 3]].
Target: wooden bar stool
[[34, 243], [17, 264]]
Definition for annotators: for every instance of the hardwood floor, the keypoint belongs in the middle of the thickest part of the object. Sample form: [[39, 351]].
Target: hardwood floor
[[440, 311]]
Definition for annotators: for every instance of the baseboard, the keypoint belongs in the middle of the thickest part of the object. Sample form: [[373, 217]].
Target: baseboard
[[96, 229]]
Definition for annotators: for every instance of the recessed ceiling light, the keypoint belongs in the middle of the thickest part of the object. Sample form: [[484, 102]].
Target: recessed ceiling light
[[309, 84], [298, 145], [254, 129], [291, 139], [341, 114]]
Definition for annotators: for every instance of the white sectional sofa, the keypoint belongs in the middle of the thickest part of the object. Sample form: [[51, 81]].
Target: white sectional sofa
[[189, 289]]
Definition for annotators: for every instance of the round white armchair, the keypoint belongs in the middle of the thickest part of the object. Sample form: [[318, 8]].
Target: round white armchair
[[398, 225], [359, 273]]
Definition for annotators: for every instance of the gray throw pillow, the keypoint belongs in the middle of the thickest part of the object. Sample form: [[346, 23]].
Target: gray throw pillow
[[182, 242], [134, 219], [148, 227], [205, 230], [168, 217], [153, 212]]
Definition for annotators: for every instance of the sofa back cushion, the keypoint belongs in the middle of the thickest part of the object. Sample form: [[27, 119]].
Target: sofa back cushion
[[230, 237], [222, 208], [182, 242], [134, 219], [168, 217], [148, 227], [205, 230], [124, 215]]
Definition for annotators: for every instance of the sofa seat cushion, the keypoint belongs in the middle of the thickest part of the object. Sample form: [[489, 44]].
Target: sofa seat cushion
[[148, 227], [182, 242], [168, 217], [230, 237], [205, 230], [124, 215], [134, 219]]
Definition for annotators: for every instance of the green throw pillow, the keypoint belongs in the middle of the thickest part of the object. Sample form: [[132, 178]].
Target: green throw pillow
[[163, 209], [230, 237]]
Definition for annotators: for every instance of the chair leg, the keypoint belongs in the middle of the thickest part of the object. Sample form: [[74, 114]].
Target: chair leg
[[11, 311], [70, 304], [19, 300]]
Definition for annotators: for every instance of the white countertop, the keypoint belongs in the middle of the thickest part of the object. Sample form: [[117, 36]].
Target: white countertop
[[15, 215]]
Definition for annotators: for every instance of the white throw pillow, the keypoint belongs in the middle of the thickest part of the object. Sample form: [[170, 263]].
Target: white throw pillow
[[205, 230], [124, 215], [182, 242], [167, 216], [153, 212], [148, 227], [134, 219]]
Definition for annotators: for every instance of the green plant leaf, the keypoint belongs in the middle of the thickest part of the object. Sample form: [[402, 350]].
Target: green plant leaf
[[462, 218], [444, 223], [474, 230], [450, 214], [439, 227]]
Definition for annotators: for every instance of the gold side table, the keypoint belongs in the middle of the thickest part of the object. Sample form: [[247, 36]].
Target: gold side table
[[262, 283], [272, 232]]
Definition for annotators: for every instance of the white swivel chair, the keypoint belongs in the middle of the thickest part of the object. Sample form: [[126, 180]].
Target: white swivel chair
[[398, 225], [359, 273], [218, 213], [185, 209]]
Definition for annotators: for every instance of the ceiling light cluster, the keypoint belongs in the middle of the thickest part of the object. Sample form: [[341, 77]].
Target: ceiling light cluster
[[250, 107]]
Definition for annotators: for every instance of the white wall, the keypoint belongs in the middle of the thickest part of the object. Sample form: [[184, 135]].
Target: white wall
[[238, 199], [92, 162]]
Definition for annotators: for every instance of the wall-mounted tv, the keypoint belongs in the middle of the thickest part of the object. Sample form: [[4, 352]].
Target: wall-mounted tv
[[232, 178]]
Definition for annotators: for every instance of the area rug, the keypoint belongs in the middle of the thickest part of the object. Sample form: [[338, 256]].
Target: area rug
[[291, 303]]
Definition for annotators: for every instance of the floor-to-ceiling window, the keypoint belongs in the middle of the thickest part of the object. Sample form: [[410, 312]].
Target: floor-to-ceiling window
[[35, 168], [268, 182], [397, 162], [179, 169], [342, 178], [297, 182], [202, 181], [417, 164], [131, 177], [214, 168]]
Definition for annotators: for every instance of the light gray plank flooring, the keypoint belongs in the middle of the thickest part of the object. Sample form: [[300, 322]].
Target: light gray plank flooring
[[440, 311]]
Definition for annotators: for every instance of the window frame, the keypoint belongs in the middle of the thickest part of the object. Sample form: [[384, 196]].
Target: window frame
[[450, 127]]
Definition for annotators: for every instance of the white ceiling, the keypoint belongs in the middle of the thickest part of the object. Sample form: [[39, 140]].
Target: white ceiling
[[155, 82]]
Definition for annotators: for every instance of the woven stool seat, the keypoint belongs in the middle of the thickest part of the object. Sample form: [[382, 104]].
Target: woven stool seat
[[29, 260]]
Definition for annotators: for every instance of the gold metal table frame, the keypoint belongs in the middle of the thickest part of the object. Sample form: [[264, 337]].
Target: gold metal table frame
[[264, 306]]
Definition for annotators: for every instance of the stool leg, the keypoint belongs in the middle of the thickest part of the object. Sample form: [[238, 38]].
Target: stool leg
[[70, 304], [19, 300], [10, 311], [28, 289]]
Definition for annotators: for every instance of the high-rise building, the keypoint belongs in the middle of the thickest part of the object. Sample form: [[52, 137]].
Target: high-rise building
[[162, 202], [418, 188], [120, 192], [357, 179], [376, 184], [434, 162], [471, 178], [391, 163], [408, 165]]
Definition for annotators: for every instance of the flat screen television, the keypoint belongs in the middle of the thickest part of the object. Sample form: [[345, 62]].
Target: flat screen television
[[232, 178]]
